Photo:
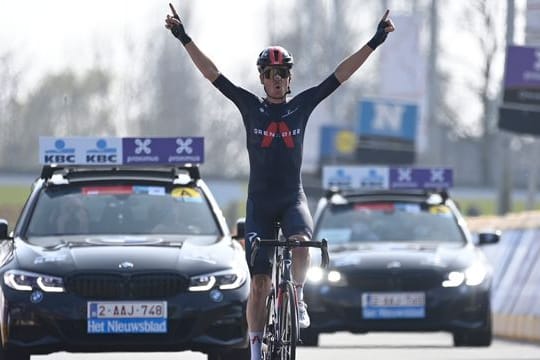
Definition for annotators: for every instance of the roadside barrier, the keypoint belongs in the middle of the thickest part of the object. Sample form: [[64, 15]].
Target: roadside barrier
[[516, 273]]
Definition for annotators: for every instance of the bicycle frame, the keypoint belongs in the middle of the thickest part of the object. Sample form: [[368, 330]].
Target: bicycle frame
[[280, 335]]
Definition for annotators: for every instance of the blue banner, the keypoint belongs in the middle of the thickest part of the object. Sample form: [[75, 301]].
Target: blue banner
[[387, 118]]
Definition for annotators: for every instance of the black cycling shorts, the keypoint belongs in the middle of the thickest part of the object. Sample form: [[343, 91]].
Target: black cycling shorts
[[262, 212]]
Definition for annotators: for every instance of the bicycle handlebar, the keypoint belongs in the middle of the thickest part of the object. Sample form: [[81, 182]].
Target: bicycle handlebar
[[323, 245]]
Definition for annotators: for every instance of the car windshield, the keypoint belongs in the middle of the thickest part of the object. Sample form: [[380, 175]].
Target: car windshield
[[122, 209], [389, 221]]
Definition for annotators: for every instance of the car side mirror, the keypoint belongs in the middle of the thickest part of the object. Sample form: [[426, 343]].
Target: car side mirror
[[489, 238], [240, 229], [4, 229]]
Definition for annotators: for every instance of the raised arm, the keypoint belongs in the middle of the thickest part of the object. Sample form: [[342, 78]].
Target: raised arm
[[353, 62], [201, 61]]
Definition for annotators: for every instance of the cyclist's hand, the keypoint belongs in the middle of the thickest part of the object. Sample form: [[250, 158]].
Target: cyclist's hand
[[383, 28], [174, 24]]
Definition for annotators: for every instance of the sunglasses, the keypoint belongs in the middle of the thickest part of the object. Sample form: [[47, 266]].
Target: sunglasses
[[270, 73]]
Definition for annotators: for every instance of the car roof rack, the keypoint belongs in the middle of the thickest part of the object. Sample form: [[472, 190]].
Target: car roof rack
[[65, 171], [351, 193]]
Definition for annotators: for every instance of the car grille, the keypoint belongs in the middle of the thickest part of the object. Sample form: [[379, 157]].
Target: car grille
[[135, 286], [395, 281]]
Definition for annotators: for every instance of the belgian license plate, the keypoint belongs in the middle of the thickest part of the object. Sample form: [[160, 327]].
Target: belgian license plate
[[119, 317], [396, 305]]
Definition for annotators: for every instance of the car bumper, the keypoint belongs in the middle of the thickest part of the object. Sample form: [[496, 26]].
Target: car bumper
[[59, 323], [334, 309]]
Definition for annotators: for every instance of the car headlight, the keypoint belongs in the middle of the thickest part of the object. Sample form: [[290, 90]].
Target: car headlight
[[28, 281], [474, 275], [224, 280], [317, 275]]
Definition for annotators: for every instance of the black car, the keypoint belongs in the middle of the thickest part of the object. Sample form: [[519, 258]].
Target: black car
[[122, 258], [401, 260]]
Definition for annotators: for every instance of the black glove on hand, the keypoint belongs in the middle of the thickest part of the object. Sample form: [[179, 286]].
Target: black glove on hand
[[179, 32], [380, 35], [178, 29]]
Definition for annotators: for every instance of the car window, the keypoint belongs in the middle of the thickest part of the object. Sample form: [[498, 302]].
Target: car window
[[389, 221], [121, 209]]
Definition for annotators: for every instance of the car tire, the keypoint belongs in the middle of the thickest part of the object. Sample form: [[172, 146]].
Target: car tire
[[233, 354], [12, 354], [478, 338], [309, 337]]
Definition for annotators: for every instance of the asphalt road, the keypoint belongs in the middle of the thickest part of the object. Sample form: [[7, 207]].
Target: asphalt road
[[344, 346]]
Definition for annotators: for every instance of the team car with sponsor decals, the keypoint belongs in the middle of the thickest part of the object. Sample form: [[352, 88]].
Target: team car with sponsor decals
[[130, 254], [402, 258]]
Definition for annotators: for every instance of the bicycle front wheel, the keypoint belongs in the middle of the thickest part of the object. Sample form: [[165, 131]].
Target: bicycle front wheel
[[269, 332], [288, 322]]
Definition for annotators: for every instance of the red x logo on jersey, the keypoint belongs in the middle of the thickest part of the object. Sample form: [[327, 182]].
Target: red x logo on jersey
[[277, 128]]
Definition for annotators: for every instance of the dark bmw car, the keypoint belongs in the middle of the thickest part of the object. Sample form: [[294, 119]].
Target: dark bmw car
[[401, 260], [121, 258]]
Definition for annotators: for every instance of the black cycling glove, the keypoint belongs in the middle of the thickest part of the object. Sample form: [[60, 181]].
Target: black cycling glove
[[179, 32], [379, 36]]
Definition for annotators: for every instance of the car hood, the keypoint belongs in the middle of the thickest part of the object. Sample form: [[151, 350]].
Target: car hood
[[67, 254], [404, 256]]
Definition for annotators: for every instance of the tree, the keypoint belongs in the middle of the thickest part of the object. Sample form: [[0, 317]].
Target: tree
[[63, 104], [9, 103], [480, 52]]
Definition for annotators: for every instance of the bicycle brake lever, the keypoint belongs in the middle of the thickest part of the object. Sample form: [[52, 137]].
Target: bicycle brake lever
[[254, 249], [325, 258]]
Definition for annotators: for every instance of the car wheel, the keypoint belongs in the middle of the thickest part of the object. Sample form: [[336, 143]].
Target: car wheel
[[233, 354], [11, 354], [309, 337], [479, 337], [473, 338]]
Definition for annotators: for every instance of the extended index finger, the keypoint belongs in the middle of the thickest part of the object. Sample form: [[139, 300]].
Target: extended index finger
[[175, 14], [385, 15]]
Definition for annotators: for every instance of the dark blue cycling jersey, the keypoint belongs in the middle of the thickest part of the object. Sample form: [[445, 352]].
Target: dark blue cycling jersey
[[275, 134], [275, 137]]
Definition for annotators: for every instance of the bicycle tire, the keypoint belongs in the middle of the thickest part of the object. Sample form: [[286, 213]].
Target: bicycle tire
[[269, 333], [288, 323]]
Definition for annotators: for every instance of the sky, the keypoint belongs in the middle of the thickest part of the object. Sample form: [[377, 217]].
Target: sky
[[54, 34]]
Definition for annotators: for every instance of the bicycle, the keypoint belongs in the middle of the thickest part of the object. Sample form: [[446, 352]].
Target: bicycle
[[281, 330]]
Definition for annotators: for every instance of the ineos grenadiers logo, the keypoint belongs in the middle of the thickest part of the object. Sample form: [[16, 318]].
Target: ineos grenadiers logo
[[60, 154], [102, 154]]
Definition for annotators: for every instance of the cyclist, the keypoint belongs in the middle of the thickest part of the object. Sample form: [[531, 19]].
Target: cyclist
[[275, 130]]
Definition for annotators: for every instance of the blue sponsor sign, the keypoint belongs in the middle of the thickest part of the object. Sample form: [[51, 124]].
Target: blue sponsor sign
[[387, 118], [163, 150], [126, 326], [337, 142], [56, 151], [385, 177], [522, 75], [117, 151], [421, 178]]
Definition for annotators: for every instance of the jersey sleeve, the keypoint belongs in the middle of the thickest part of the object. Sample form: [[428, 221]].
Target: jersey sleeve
[[321, 91], [239, 96], [313, 96]]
